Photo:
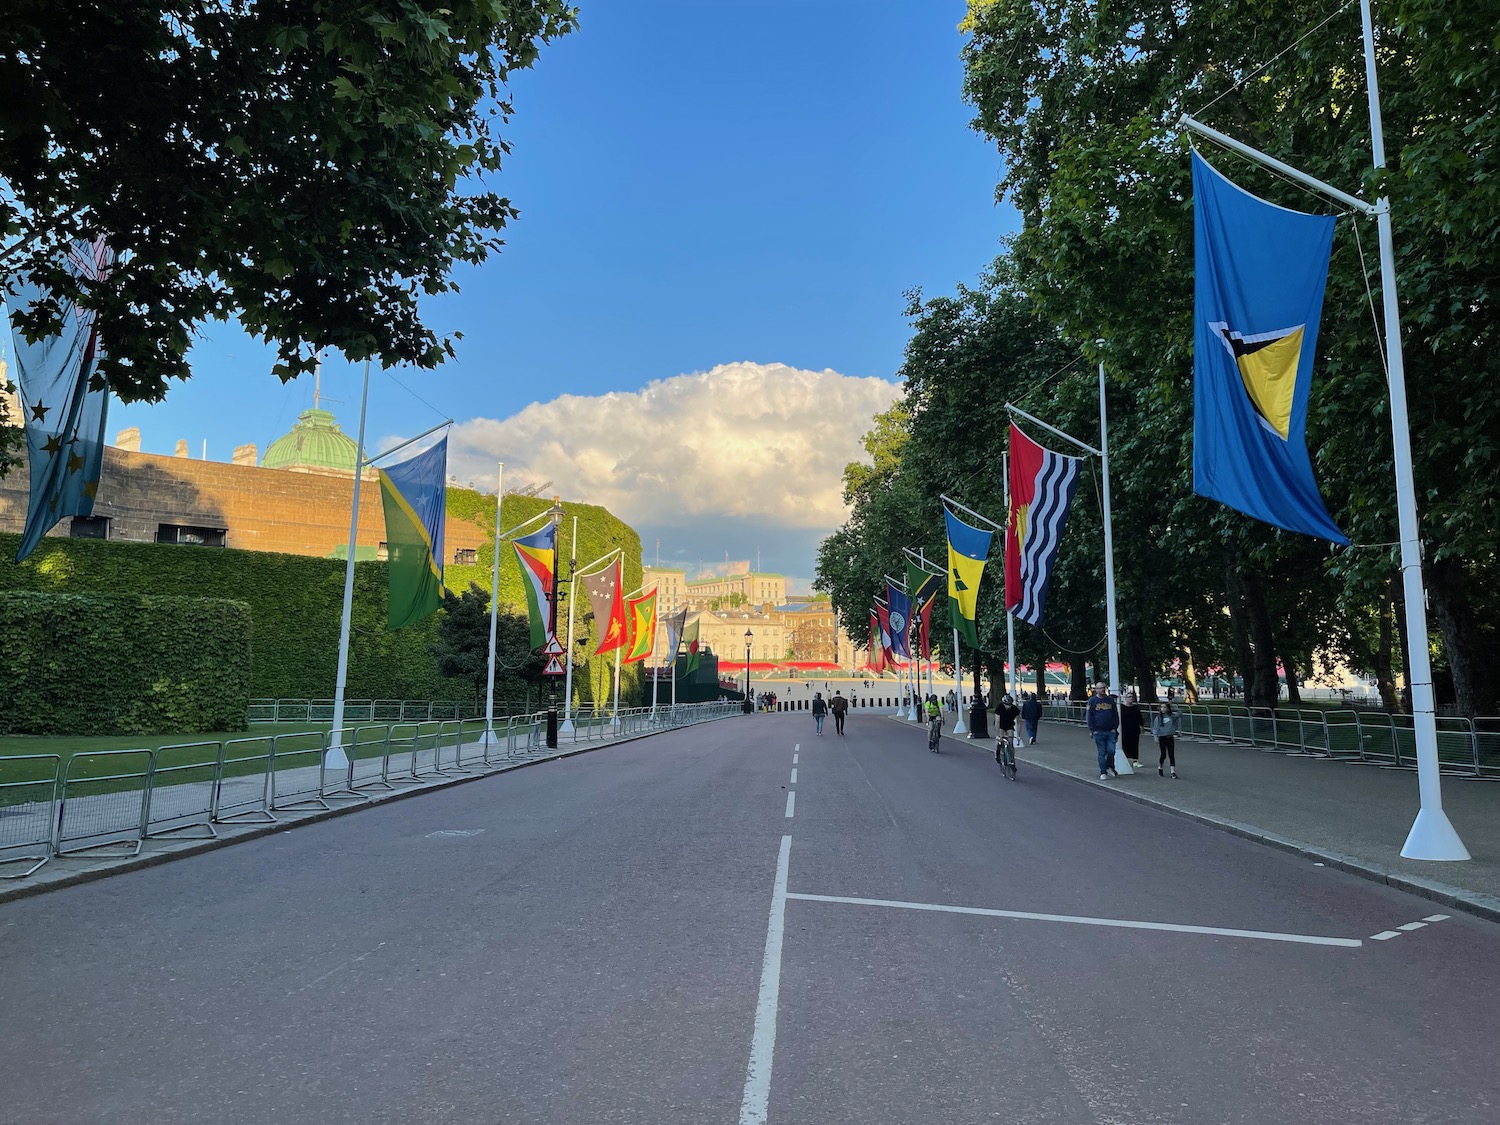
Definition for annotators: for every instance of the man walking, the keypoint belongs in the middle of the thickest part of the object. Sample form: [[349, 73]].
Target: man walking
[[1104, 724], [1031, 714], [838, 705]]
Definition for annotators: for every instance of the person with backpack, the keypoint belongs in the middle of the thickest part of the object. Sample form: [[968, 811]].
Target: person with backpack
[[1006, 713], [838, 705], [1031, 715], [1164, 727], [820, 712]]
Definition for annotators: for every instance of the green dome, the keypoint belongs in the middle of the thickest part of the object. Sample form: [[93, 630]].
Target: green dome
[[315, 443]]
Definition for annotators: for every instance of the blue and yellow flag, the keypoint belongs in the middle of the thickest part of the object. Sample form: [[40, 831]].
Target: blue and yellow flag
[[64, 402], [968, 547], [1260, 276], [415, 496]]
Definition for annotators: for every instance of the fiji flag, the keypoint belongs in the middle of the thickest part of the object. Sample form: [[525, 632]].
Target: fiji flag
[[537, 554], [1041, 488], [898, 611], [1260, 275], [63, 402], [968, 547], [415, 496]]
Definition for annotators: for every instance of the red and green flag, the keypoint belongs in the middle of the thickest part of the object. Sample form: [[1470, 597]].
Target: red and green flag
[[604, 590], [641, 613]]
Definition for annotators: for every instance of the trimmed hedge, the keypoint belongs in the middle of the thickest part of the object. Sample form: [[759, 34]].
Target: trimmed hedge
[[86, 664]]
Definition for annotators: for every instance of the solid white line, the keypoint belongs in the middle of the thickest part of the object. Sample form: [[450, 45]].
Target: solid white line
[[1171, 927], [763, 1039], [1413, 926], [1436, 918], [791, 803], [1384, 935], [794, 775]]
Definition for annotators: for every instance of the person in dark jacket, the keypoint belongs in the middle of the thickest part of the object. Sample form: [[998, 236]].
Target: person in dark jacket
[[1132, 722], [1103, 714], [1164, 726], [1031, 715], [1006, 712], [819, 712], [838, 705]]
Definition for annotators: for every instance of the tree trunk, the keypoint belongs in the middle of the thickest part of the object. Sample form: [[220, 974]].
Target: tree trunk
[[1078, 681], [1140, 663], [1189, 677], [1239, 613], [1468, 658], [1262, 686], [1398, 611], [1385, 679], [1293, 692], [1041, 679]]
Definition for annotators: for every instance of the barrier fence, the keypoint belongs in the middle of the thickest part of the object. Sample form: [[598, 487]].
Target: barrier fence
[[1464, 746], [117, 799]]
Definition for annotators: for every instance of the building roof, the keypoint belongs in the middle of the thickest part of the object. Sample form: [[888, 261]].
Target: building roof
[[316, 443], [805, 607]]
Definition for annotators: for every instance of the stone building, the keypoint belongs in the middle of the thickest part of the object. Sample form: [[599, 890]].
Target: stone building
[[671, 587], [724, 633], [751, 588]]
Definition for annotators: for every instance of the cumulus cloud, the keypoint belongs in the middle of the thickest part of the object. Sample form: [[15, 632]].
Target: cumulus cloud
[[746, 448]]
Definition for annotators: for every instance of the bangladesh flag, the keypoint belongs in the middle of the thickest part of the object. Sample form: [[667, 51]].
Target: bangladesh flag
[[690, 635]]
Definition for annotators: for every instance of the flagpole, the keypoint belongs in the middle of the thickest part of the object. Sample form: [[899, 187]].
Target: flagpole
[[614, 718], [1432, 835], [958, 686], [1109, 547], [556, 513], [567, 723], [656, 672], [489, 690], [1010, 618], [335, 758]]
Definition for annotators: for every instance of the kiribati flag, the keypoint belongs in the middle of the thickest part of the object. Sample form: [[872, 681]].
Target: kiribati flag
[[1041, 489], [1258, 295], [537, 554]]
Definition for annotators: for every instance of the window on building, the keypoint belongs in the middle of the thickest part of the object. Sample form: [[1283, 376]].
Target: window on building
[[90, 527], [466, 555], [383, 552], [190, 535]]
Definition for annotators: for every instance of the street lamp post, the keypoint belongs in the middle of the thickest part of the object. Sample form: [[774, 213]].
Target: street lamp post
[[556, 513], [749, 706]]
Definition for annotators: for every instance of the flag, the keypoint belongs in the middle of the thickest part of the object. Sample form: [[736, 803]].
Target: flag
[[63, 402], [676, 624], [876, 660], [642, 614], [923, 584], [693, 646], [968, 547], [415, 496], [537, 554], [1260, 271], [1041, 488], [898, 612], [925, 617], [883, 615], [604, 592]]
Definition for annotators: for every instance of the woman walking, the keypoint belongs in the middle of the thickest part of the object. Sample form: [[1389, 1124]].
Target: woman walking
[[1132, 722], [820, 711], [1164, 726]]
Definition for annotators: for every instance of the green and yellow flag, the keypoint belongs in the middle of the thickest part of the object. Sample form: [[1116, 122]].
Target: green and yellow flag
[[415, 495], [642, 614], [968, 547]]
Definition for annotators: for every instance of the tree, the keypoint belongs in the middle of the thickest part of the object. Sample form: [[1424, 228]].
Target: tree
[[463, 645], [311, 167]]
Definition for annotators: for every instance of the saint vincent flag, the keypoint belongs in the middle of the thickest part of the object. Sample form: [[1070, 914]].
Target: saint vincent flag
[[1041, 489], [1260, 272], [642, 614], [694, 646], [537, 554], [63, 401], [609, 608], [968, 547], [876, 660], [415, 496]]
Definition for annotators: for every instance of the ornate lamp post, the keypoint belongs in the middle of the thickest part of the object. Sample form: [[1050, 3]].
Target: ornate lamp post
[[556, 513], [749, 706]]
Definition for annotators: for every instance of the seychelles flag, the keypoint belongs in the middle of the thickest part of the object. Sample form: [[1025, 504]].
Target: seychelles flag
[[1041, 488], [537, 554], [1260, 272]]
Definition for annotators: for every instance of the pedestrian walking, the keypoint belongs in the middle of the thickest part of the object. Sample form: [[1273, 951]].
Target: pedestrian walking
[[1006, 713], [838, 705], [1164, 726], [820, 711], [1132, 722], [1031, 715], [1103, 717]]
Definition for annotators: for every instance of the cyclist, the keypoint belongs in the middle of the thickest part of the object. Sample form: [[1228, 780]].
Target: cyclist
[[934, 711], [1006, 713]]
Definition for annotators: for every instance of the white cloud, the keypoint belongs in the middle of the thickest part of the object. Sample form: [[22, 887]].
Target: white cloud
[[746, 450]]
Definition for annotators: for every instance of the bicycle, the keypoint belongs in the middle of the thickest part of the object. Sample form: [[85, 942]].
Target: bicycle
[[934, 732], [1005, 755]]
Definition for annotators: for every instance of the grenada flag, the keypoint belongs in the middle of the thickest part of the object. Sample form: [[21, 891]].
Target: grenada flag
[[641, 612]]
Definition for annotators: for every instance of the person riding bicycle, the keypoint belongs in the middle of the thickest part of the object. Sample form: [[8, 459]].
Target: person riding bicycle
[[933, 710]]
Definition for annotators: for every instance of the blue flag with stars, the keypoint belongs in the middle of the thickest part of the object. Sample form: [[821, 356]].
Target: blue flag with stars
[[63, 402]]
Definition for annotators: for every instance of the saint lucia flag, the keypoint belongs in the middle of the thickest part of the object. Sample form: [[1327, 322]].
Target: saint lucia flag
[[415, 496], [1041, 488], [63, 402], [968, 547], [537, 554], [1260, 275], [898, 611]]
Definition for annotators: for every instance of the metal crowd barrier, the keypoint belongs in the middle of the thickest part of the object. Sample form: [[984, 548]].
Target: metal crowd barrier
[[357, 711], [28, 811]]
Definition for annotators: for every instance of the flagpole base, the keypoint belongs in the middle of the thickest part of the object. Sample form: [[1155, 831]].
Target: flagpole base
[[1122, 763], [1432, 837], [958, 727], [567, 724], [335, 759]]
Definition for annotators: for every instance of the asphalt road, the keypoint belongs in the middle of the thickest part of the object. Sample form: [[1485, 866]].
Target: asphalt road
[[604, 939]]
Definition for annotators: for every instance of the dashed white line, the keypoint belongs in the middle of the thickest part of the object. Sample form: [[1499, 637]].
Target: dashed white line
[[791, 803], [1436, 918], [794, 775], [763, 1038], [1409, 927], [794, 759], [1413, 926], [1122, 923], [1384, 935]]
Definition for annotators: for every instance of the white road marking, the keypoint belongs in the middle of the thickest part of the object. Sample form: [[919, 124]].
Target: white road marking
[[1384, 935], [791, 803], [763, 1038], [797, 747], [1413, 926], [794, 759], [1436, 918], [452, 833], [1122, 923], [794, 775]]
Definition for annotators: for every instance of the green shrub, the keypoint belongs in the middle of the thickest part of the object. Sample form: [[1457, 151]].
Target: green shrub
[[88, 664]]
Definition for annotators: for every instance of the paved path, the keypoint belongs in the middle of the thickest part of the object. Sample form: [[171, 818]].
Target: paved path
[[680, 930]]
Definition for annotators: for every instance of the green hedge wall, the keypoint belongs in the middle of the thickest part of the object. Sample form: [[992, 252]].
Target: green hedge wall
[[85, 664], [295, 601]]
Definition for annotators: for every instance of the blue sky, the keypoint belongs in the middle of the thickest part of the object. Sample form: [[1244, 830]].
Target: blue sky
[[735, 191]]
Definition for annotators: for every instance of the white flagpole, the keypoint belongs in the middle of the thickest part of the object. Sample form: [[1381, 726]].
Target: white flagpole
[[656, 669], [614, 719], [1122, 763], [567, 723], [336, 759], [489, 690], [1432, 835], [1010, 619], [674, 665], [958, 686]]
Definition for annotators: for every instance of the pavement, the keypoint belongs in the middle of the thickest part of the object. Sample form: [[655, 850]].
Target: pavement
[[743, 921]]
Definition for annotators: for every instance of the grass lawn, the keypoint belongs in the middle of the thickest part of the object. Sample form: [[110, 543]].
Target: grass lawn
[[65, 747]]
